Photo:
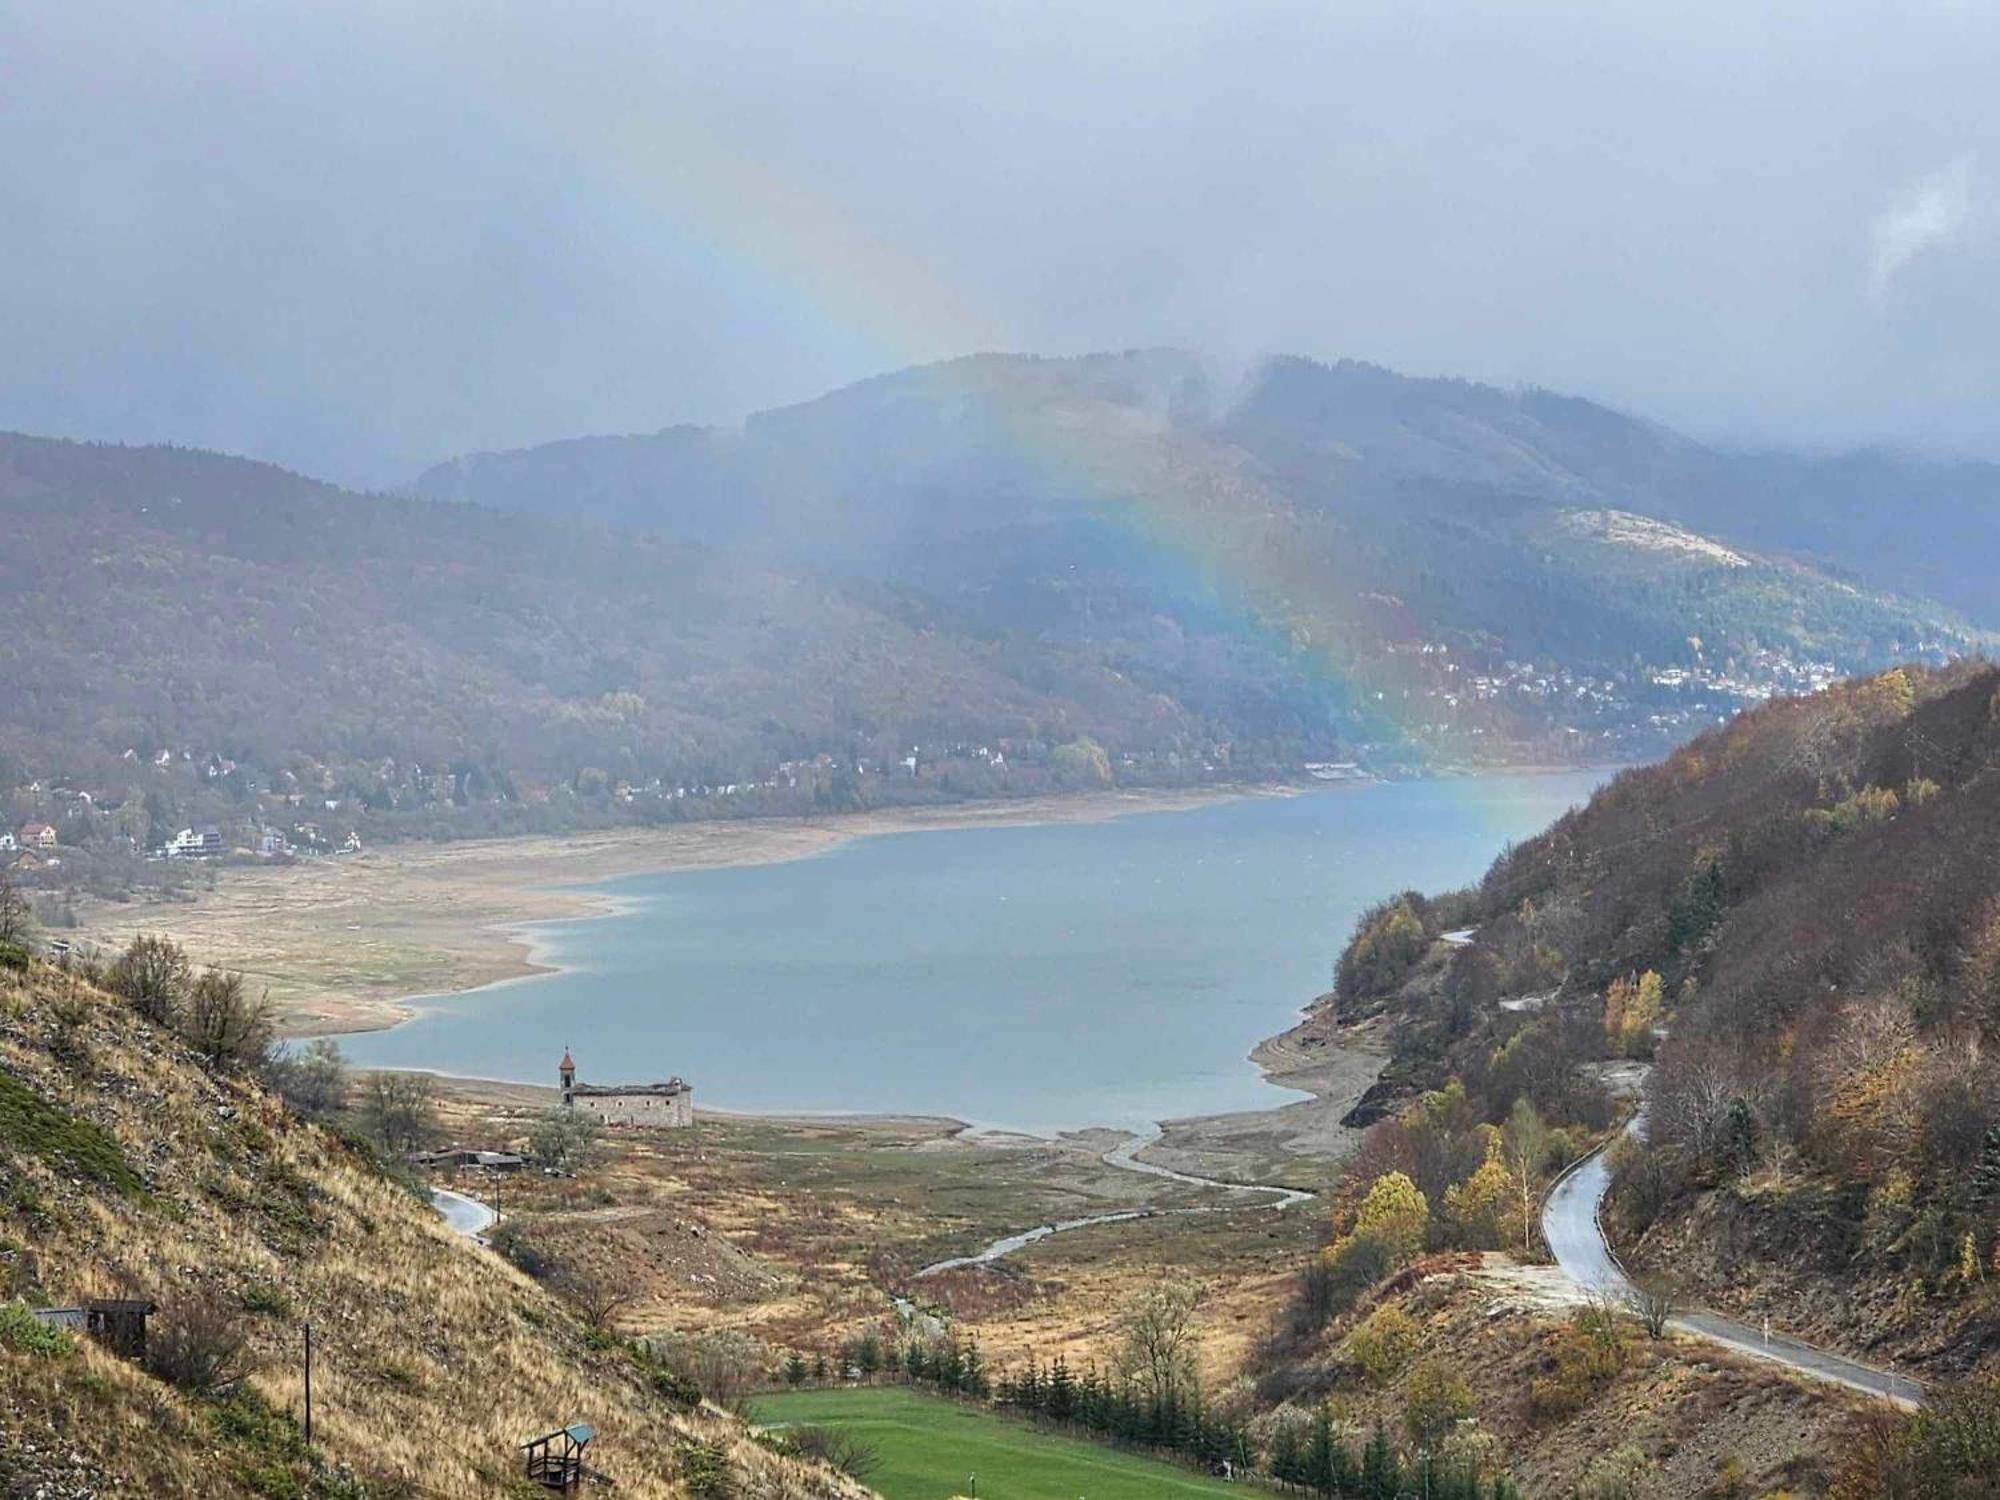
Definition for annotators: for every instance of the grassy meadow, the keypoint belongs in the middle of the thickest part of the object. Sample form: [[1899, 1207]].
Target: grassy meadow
[[930, 1448]]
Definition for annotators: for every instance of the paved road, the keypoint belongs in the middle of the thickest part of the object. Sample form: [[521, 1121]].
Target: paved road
[[466, 1216], [1576, 1239]]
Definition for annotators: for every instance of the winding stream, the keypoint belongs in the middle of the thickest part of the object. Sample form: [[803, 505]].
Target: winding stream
[[1125, 1157]]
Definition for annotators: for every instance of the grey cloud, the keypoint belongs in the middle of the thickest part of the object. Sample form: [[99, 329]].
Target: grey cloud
[[357, 238]]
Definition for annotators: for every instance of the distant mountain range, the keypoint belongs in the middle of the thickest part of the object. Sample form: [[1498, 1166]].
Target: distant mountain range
[[968, 440], [992, 576]]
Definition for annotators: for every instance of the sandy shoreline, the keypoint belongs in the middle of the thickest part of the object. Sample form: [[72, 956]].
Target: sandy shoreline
[[353, 944]]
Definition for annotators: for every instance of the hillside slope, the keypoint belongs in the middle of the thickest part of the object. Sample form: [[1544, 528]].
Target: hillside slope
[[185, 635], [129, 1169], [1797, 920], [1352, 511], [994, 577]]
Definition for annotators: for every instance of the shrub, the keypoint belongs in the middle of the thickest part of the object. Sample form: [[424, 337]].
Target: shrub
[[677, 1388], [1586, 1355], [224, 1024], [706, 1469], [267, 1299], [1435, 1400], [154, 976], [836, 1449], [22, 1330], [312, 1080], [1949, 1448], [725, 1367], [200, 1348], [514, 1246], [1383, 1343], [1619, 1475]]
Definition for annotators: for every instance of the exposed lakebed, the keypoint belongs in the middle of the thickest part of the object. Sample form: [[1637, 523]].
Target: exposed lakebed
[[1039, 977]]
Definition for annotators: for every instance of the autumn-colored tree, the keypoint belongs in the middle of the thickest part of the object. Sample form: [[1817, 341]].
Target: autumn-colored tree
[[1383, 1342], [1476, 1205], [1631, 1010], [1435, 1400], [1396, 1213]]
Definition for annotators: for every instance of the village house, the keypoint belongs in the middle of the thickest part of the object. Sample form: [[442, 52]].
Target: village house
[[669, 1105], [37, 836], [196, 843]]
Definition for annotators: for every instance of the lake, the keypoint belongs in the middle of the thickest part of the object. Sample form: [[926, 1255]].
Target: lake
[[1039, 977]]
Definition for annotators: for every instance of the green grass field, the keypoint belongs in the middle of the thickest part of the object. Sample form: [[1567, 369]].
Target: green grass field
[[929, 1447]]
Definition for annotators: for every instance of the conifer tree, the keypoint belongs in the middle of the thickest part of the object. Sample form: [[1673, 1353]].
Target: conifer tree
[[1381, 1471], [1285, 1461], [1060, 1400]]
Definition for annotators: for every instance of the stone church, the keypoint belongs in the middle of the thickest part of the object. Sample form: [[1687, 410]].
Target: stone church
[[669, 1105]]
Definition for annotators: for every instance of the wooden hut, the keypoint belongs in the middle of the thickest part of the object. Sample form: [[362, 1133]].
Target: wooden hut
[[555, 1459], [119, 1323]]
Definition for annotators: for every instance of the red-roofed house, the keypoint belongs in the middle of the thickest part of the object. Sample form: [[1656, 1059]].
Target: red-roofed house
[[37, 836]]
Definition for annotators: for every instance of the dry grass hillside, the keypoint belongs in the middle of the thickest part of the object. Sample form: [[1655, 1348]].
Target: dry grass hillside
[[1578, 1404], [127, 1167]]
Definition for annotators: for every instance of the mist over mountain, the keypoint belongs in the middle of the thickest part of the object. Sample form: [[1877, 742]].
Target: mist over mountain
[[997, 576], [968, 442]]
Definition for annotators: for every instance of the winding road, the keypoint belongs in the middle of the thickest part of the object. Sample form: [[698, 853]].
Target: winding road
[[1575, 1232]]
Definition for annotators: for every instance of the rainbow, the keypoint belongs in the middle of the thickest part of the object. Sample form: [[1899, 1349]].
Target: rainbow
[[798, 251]]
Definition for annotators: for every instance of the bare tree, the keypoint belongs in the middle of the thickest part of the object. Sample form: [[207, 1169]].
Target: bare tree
[[1158, 1339], [598, 1298], [224, 1024], [17, 923], [313, 1080], [1527, 1145], [201, 1348], [399, 1110], [153, 973], [1653, 1300], [565, 1140]]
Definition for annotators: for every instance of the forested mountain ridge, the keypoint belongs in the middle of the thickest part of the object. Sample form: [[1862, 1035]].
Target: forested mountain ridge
[[1342, 435], [185, 635], [1002, 434], [998, 576], [1402, 537], [1796, 918]]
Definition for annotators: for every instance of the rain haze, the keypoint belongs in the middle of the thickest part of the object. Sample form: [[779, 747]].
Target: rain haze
[[358, 239]]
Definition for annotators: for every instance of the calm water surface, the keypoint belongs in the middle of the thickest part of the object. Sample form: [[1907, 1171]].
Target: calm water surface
[[1042, 978]]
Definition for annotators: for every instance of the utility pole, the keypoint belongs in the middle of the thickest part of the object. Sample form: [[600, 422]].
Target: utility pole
[[309, 1384]]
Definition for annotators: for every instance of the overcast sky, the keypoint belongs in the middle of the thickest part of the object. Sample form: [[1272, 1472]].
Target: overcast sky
[[358, 238]]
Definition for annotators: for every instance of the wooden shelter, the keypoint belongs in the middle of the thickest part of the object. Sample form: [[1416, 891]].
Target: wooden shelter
[[119, 1323], [555, 1459]]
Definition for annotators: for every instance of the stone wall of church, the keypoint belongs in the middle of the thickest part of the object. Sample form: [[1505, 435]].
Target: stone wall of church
[[665, 1111]]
